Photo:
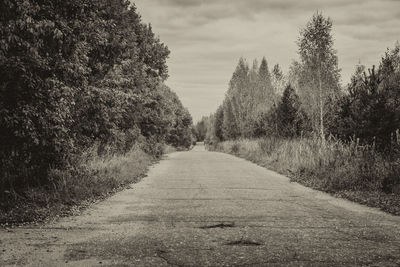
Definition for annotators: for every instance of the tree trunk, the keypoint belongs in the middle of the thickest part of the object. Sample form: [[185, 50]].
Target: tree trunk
[[321, 106]]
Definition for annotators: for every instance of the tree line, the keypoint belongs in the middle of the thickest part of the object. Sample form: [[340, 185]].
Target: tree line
[[309, 100], [79, 74]]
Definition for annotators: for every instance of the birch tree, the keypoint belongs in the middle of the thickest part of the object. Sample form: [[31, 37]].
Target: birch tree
[[319, 62]]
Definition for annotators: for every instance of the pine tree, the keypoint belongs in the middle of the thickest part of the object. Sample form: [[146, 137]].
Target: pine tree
[[264, 73], [289, 123], [370, 111], [265, 84]]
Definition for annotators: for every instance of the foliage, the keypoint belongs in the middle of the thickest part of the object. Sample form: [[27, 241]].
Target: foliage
[[179, 133], [250, 95], [370, 111], [218, 124], [290, 120], [308, 102], [79, 74], [319, 72], [88, 178], [201, 129], [348, 169]]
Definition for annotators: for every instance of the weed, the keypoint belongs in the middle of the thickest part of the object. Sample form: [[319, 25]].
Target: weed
[[86, 178], [332, 166]]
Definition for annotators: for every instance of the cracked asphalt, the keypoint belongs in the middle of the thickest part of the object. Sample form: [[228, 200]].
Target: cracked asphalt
[[201, 208]]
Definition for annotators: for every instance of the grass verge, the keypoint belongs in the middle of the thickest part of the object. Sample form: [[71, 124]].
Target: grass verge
[[350, 171], [89, 179]]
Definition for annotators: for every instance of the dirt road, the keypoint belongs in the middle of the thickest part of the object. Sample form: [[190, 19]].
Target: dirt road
[[202, 208]]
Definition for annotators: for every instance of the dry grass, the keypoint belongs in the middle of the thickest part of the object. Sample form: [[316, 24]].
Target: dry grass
[[355, 172], [87, 179], [100, 175]]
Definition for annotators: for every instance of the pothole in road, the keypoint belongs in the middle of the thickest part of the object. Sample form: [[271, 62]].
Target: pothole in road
[[220, 225], [243, 242]]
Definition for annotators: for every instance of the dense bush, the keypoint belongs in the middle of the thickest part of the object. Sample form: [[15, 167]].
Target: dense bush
[[79, 74], [371, 109]]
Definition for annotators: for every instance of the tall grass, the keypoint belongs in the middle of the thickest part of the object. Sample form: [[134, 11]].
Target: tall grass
[[97, 175], [87, 178], [332, 166]]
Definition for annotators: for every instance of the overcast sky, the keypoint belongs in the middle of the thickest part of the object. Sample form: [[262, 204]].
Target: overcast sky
[[207, 38]]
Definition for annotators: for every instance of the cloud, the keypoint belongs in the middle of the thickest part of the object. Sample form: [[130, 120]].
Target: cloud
[[207, 37]]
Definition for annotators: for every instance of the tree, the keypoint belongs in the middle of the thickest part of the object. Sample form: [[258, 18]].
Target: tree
[[289, 118], [201, 129], [230, 127], [265, 83], [294, 75], [278, 80], [239, 97], [370, 111], [79, 74], [43, 66], [218, 123], [320, 78]]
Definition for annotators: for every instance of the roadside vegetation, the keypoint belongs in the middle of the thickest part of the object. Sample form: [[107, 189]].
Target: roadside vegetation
[[83, 105], [346, 170], [340, 139]]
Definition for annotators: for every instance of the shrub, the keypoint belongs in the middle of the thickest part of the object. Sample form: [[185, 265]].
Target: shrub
[[86, 178], [331, 166]]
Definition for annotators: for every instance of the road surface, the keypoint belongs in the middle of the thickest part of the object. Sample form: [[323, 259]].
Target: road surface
[[202, 208]]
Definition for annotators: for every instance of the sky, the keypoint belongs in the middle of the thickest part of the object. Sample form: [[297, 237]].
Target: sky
[[207, 37]]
